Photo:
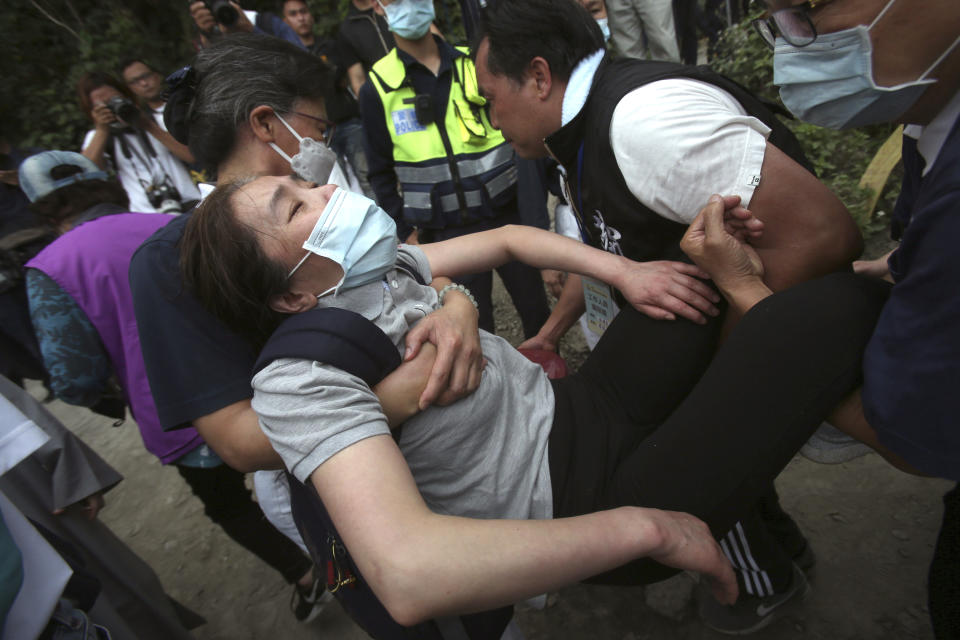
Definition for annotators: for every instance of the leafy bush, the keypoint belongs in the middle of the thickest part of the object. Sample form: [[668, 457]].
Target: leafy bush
[[49, 44], [839, 157]]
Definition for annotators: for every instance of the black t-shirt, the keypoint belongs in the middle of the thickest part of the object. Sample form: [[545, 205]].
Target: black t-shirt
[[194, 364], [364, 37], [341, 103]]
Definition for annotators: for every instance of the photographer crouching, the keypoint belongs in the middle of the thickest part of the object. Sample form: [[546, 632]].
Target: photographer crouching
[[147, 160]]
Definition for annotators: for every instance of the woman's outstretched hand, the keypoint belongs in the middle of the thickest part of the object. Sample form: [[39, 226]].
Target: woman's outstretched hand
[[685, 542], [665, 290]]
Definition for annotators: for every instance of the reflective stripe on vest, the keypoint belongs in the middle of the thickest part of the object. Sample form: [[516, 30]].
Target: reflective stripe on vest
[[448, 203], [468, 167]]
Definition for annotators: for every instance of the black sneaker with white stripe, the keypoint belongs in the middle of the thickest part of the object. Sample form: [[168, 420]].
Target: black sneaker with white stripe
[[751, 613], [307, 602]]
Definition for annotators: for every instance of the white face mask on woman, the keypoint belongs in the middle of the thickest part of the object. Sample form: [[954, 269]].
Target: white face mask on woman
[[829, 82], [315, 161], [356, 234], [604, 28]]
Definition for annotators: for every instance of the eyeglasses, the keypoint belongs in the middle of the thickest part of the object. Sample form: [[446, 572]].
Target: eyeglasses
[[792, 23], [327, 126]]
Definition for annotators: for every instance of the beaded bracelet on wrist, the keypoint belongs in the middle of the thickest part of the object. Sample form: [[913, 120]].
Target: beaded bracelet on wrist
[[457, 287]]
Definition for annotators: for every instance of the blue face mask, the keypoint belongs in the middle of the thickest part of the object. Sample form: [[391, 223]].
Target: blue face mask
[[356, 234], [604, 28], [409, 19], [830, 82]]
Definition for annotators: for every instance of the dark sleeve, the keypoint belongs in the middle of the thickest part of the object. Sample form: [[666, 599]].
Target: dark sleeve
[[346, 52], [379, 149], [72, 352], [532, 192], [272, 24], [912, 363], [194, 364]]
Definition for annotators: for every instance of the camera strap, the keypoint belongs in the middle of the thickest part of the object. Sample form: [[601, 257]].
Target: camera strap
[[145, 139], [136, 158]]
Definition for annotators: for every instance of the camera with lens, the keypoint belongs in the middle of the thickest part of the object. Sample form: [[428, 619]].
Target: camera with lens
[[165, 198], [224, 12], [124, 109]]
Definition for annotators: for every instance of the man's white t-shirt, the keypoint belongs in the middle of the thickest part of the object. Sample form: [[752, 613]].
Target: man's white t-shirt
[[679, 141], [141, 169]]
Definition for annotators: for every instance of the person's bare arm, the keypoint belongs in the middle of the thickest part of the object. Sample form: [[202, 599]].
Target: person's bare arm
[[422, 565], [662, 289], [206, 22], [95, 149], [808, 232], [176, 148], [234, 431], [570, 306], [356, 77], [877, 268], [848, 416]]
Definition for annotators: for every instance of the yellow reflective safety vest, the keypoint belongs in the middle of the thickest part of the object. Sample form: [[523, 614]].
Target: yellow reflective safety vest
[[453, 174]]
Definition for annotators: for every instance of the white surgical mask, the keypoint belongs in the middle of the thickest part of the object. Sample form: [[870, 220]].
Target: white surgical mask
[[315, 161], [409, 19], [604, 28], [356, 234], [830, 81]]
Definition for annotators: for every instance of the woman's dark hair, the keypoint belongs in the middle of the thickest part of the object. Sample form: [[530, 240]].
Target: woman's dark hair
[[233, 77], [72, 200], [561, 32], [225, 268], [93, 80]]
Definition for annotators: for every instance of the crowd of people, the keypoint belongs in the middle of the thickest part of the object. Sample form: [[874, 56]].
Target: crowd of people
[[280, 259]]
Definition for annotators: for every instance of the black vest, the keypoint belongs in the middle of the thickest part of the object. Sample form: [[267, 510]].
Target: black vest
[[600, 196]]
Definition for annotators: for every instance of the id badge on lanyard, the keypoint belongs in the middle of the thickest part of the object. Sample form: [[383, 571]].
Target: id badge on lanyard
[[597, 296], [601, 308]]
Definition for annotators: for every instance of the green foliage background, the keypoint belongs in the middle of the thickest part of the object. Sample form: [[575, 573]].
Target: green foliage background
[[46, 45], [840, 157]]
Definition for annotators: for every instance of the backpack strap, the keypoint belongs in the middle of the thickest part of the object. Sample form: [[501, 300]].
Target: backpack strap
[[338, 337]]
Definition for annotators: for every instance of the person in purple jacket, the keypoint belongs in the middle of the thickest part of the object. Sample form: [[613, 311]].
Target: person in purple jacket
[[82, 311]]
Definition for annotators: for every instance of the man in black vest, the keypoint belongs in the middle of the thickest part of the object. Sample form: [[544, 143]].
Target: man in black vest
[[644, 144]]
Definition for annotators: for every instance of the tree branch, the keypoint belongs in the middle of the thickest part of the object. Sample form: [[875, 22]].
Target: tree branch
[[55, 21]]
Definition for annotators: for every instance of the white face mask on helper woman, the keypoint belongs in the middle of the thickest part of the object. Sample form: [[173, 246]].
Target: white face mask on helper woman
[[315, 161]]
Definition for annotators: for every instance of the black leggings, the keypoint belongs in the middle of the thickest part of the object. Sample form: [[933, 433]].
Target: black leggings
[[227, 501], [626, 432]]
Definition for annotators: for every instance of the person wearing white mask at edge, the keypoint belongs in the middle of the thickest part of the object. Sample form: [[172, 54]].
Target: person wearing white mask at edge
[[598, 9], [851, 63], [252, 105]]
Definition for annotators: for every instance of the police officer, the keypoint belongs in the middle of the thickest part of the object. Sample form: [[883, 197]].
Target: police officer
[[435, 162]]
